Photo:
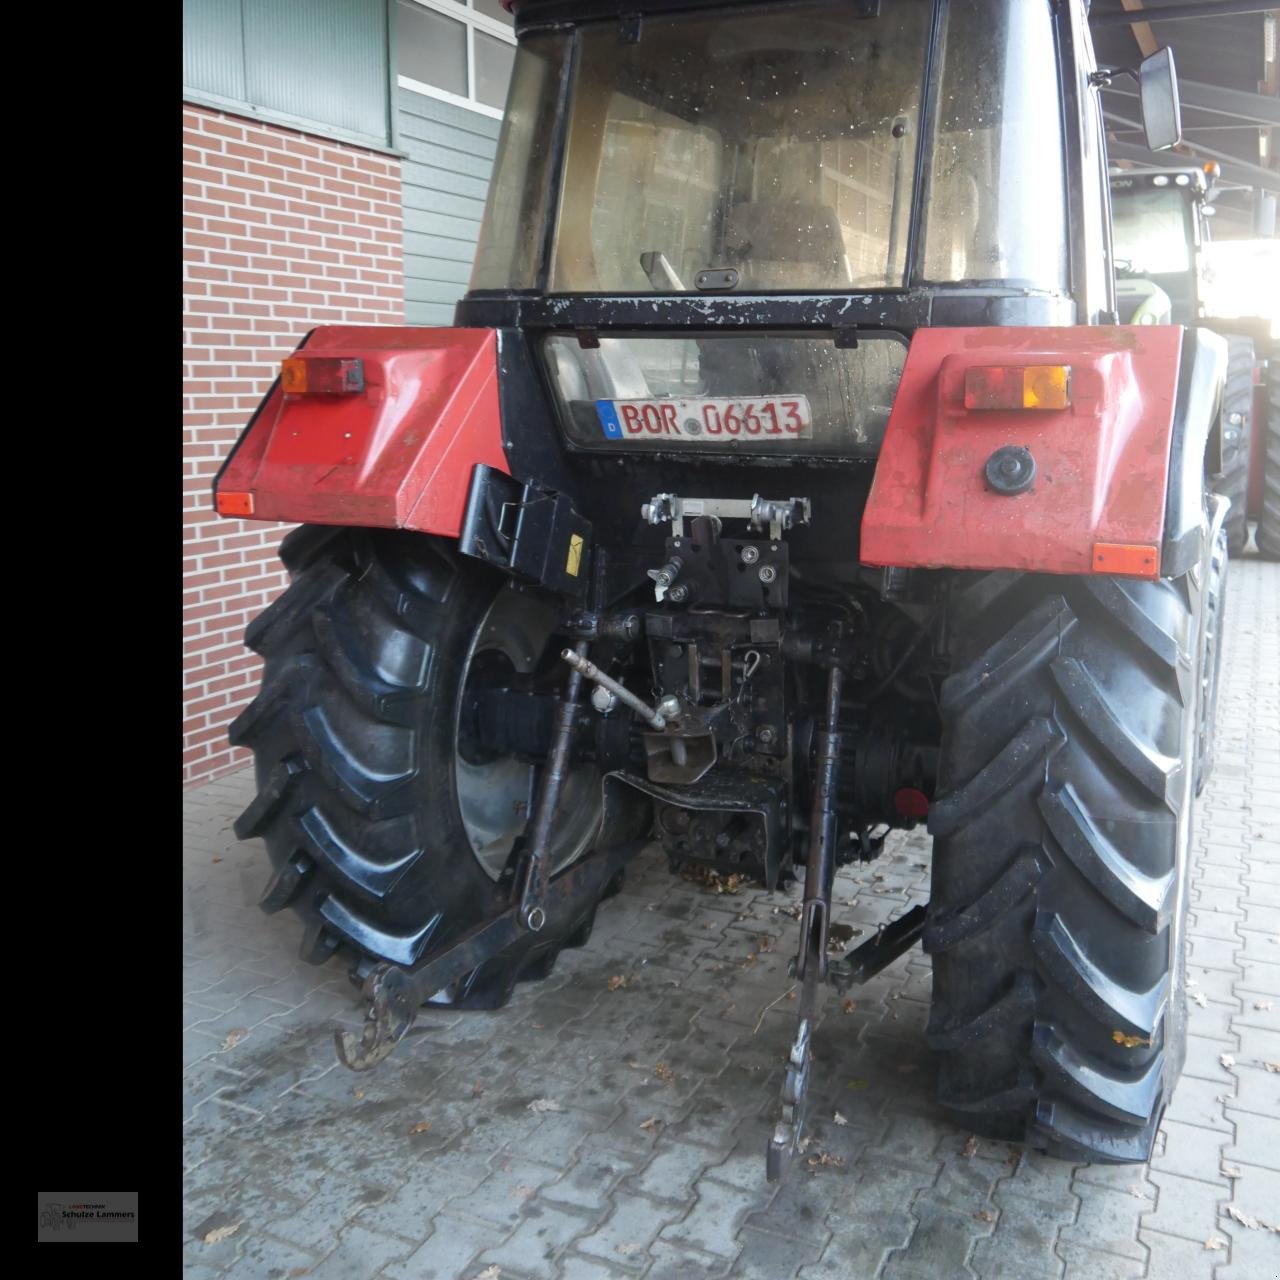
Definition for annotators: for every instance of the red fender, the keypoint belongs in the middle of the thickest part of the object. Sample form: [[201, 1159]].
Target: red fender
[[396, 455], [1097, 503]]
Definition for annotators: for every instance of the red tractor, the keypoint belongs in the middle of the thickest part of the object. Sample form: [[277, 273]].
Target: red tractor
[[786, 480]]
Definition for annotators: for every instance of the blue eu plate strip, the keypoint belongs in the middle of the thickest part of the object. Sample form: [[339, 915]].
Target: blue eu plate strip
[[609, 419]]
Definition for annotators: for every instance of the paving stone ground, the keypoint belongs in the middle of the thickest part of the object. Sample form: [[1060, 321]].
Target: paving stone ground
[[434, 1166]]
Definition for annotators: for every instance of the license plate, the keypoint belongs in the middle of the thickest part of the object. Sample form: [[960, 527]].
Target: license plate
[[701, 420]]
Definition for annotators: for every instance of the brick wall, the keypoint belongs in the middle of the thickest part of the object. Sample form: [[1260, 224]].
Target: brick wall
[[281, 231]]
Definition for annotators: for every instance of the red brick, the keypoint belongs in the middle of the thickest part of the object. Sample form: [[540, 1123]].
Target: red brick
[[269, 260]]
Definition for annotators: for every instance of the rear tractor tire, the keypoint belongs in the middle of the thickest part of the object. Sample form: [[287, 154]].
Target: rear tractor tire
[[1061, 837], [386, 834], [1269, 515]]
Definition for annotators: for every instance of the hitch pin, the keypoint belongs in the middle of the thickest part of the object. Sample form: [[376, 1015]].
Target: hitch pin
[[619, 691]]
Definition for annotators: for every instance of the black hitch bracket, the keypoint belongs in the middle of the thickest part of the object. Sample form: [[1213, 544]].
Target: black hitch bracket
[[527, 530]]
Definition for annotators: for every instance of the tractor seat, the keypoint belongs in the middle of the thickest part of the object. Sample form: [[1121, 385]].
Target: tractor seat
[[786, 245]]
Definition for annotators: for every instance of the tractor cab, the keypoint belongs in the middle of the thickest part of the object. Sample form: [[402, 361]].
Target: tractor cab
[[1160, 223], [721, 197]]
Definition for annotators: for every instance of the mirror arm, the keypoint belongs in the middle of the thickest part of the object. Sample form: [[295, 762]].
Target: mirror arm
[[1103, 77]]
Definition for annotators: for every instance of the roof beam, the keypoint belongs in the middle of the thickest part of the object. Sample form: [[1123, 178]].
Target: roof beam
[[1177, 12], [1259, 108], [1233, 168], [1142, 32]]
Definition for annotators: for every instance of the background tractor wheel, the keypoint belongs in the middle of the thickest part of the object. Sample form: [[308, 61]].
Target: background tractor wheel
[[1061, 835], [1215, 610], [1237, 430], [1269, 516], [387, 823]]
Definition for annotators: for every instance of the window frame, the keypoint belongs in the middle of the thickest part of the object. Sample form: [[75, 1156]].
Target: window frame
[[473, 21]]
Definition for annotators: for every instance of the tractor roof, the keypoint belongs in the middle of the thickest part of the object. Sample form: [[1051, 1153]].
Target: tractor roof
[[1196, 178], [536, 12]]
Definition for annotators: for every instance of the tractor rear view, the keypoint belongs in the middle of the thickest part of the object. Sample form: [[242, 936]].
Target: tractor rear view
[[782, 484], [1162, 221]]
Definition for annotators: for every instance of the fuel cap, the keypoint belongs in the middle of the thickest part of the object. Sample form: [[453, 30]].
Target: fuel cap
[[1011, 470]]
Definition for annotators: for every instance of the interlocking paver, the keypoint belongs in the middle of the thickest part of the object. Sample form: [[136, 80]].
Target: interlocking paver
[[1023, 1241], [671, 1173], [711, 1226], [638, 1177], [361, 1254], [448, 1252], [1184, 1206], [631, 1227], [1094, 1264], [544, 1232]]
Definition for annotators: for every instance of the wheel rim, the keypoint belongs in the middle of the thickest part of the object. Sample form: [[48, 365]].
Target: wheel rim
[[515, 639]]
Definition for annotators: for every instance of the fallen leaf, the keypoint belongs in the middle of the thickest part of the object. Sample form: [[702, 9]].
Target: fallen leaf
[[1215, 1242], [652, 1124], [491, 1272], [477, 1089], [1264, 1005], [538, 1026], [234, 1036], [358, 1094], [1272, 1066], [222, 1233], [616, 982], [839, 1119], [848, 1006], [299, 1271], [1242, 1218], [421, 1127], [1200, 998], [823, 1159], [664, 1072], [970, 1148], [539, 1105], [804, 1144], [712, 879], [217, 859], [1130, 1042], [985, 1215], [629, 1250], [1227, 1060], [858, 1084], [522, 1193]]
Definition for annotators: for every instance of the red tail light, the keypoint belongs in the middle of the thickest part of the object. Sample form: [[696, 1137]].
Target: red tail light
[[1036, 386], [321, 376]]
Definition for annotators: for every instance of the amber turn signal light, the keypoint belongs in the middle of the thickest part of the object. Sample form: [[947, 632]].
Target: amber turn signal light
[[1036, 386], [321, 376]]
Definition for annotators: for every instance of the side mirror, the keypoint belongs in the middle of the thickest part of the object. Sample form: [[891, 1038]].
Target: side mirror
[[1158, 95]]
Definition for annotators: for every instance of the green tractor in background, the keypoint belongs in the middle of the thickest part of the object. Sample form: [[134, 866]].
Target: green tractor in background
[[1160, 227]]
